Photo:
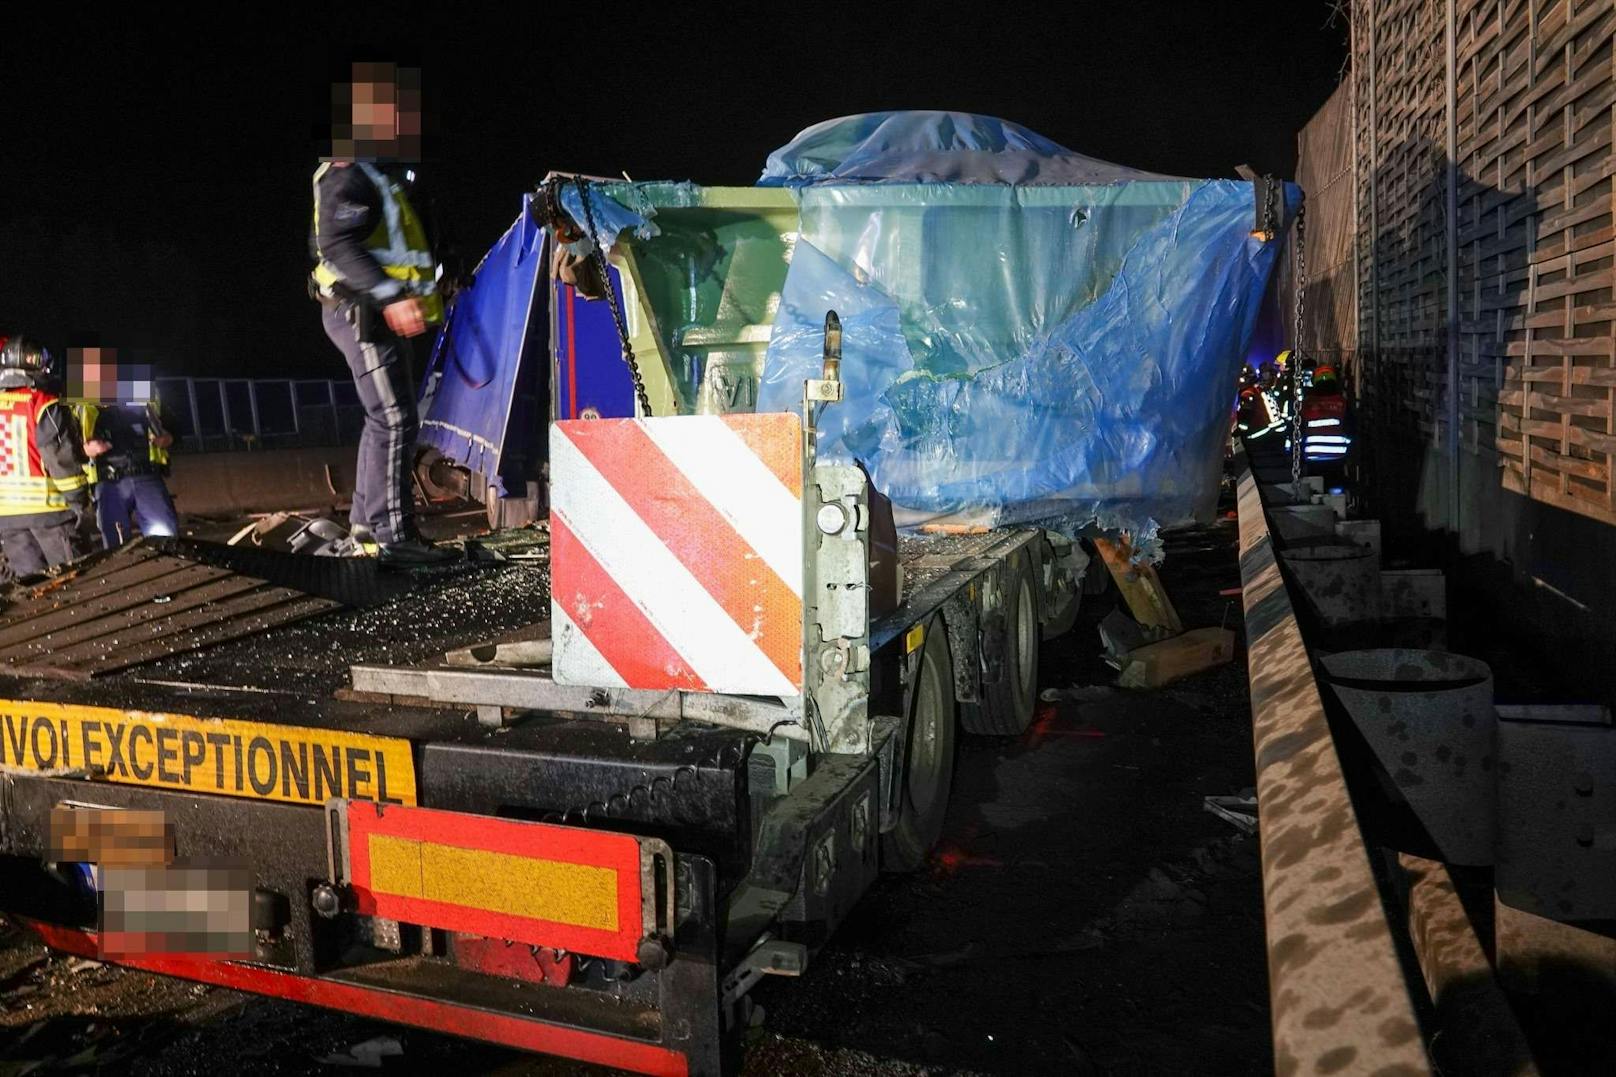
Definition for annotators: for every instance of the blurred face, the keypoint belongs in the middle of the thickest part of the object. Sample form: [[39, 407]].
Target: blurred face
[[95, 374], [378, 114]]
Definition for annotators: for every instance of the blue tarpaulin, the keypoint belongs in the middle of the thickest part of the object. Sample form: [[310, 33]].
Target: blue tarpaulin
[[1017, 351], [475, 401], [934, 147], [1029, 335]]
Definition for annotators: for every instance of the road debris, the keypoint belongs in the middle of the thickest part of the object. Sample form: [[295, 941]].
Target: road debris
[[1157, 664], [367, 1055], [1079, 693], [1240, 812]]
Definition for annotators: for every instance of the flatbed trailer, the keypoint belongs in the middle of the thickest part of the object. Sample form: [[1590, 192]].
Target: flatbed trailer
[[750, 710], [596, 872]]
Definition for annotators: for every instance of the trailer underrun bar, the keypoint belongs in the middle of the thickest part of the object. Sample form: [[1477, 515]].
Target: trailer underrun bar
[[391, 1004]]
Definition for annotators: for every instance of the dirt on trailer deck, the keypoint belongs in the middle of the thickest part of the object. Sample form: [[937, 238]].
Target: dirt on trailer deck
[[1084, 914]]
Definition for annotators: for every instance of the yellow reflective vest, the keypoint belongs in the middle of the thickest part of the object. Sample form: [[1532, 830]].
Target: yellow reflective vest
[[24, 485], [398, 243], [88, 412]]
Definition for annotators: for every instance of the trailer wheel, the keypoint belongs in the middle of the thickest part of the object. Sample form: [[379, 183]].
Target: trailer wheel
[[928, 773], [1025, 636], [1007, 712]]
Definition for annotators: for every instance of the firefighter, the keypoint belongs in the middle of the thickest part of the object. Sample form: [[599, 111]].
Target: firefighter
[[45, 513], [1326, 419], [1251, 409], [127, 444], [376, 280]]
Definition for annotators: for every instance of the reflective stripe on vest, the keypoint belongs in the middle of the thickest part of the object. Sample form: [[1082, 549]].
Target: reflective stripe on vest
[[24, 485], [398, 242], [88, 412]]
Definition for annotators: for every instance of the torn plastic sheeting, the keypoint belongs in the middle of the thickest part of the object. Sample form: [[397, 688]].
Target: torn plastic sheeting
[[934, 147], [621, 207], [1080, 374]]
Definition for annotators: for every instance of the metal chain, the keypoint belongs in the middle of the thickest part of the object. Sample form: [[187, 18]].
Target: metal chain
[[599, 256], [1296, 349]]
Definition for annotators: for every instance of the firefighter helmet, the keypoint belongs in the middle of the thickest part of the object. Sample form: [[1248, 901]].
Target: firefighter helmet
[[22, 353]]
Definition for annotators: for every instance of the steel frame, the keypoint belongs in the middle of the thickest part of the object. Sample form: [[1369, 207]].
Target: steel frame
[[531, 690]]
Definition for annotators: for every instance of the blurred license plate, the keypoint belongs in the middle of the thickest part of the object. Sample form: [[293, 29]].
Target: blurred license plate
[[110, 837], [191, 910]]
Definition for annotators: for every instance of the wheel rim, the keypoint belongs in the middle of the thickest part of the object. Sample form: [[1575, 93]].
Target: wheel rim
[[1026, 638], [926, 745]]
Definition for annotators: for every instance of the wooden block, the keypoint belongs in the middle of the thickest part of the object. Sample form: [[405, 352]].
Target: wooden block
[[1140, 586], [1162, 663]]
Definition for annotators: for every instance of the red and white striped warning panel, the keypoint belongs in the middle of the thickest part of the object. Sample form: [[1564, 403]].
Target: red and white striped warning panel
[[676, 553]]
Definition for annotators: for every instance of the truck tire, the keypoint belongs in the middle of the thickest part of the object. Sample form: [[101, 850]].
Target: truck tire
[[1007, 710], [1023, 640], [928, 774]]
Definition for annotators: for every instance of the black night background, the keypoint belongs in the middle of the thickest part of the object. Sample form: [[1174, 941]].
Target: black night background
[[155, 164]]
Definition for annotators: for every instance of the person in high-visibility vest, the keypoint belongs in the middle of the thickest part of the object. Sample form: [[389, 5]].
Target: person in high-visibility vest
[[376, 280], [45, 513], [1327, 427], [127, 444]]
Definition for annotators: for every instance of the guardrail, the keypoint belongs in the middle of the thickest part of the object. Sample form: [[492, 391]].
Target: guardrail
[[221, 414], [1340, 1001], [1369, 971]]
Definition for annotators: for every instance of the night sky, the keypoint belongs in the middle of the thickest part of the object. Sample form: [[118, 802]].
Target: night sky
[[155, 170]]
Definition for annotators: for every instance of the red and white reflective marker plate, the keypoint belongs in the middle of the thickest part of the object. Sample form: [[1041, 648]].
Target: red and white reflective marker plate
[[676, 553]]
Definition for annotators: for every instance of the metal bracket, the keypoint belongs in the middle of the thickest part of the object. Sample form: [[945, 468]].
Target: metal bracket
[[658, 900], [886, 742], [836, 570], [836, 607], [822, 391], [492, 691], [770, 957]]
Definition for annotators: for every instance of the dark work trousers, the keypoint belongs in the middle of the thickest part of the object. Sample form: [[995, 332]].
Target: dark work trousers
[[39, 541], [137, 502], [383, 498]]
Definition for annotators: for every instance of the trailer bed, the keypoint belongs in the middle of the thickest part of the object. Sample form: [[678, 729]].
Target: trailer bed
[[766, 838]]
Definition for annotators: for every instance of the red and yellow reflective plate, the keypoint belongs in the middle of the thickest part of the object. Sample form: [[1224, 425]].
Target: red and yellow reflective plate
[[586, 891]]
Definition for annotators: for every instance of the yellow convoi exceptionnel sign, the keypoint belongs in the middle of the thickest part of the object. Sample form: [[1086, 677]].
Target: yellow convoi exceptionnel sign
[[205, 755]]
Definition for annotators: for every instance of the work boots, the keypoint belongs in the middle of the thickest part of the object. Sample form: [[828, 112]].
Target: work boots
[[410, 553], [415, 552]]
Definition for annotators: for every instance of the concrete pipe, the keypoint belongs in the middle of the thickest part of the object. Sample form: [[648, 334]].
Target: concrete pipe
[[1341, 581], [1428, 718]]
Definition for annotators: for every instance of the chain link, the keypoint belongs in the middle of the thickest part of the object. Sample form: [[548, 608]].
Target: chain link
[[599, 256], [1300, 288]]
